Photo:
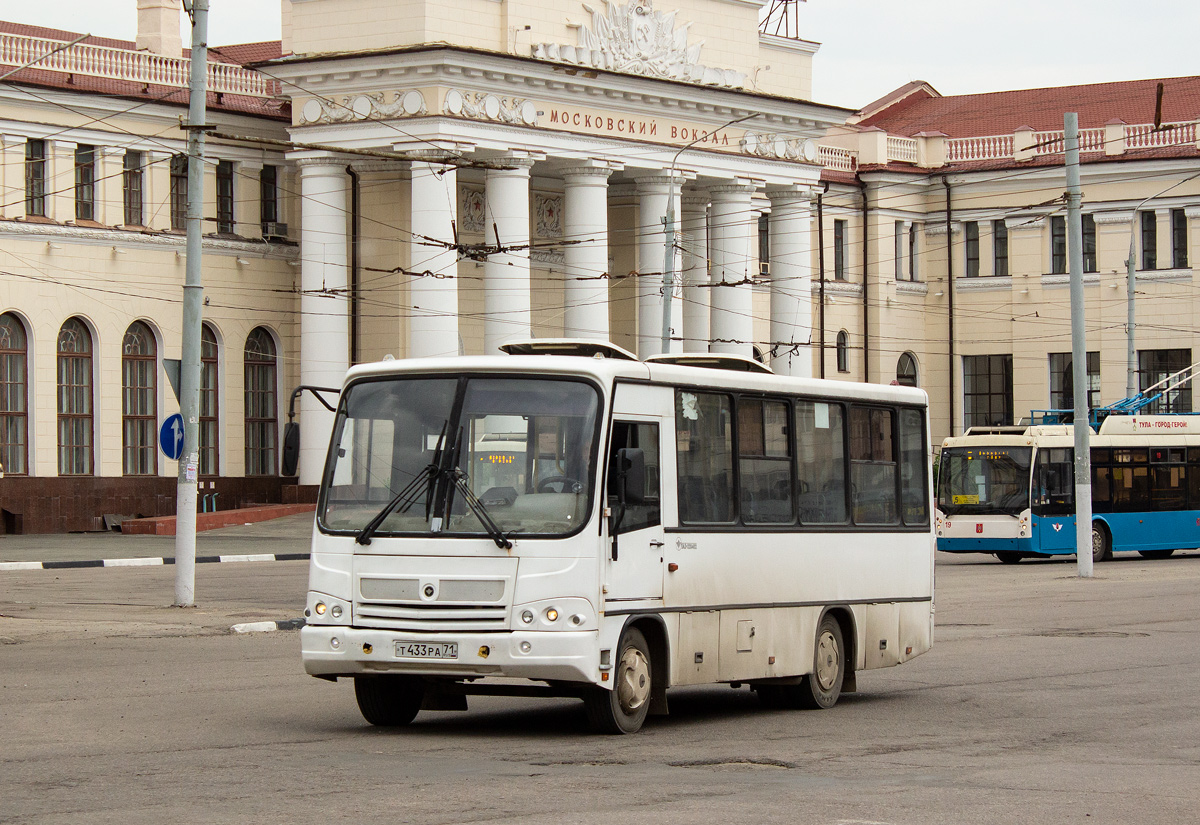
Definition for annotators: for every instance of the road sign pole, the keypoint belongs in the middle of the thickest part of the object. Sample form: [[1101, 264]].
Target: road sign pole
[[193, 298]]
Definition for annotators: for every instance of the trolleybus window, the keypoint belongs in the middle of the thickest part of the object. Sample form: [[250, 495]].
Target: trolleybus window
[[976, 481], [821, 453], [1054, 482], [704, 442]]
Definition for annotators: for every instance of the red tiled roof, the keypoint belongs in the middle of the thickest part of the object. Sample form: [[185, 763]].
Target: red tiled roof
[[1001, 113], [239, 54]]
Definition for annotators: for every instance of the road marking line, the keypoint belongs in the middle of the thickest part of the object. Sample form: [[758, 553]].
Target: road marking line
[[20, 565], [249, 557], [140, 562]]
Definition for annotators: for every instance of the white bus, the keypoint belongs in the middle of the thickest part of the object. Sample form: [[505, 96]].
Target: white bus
[[600, 527]]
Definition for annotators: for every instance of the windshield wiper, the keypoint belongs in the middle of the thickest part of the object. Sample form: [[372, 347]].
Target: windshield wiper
[[477, 507], [408, 496]]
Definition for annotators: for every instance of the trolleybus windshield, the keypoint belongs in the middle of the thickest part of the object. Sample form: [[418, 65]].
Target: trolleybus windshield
[[426, 455], [984, 480]]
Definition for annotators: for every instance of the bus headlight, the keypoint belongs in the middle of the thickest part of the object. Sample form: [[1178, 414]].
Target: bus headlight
[[527, 616], [559, 614], [551, 615], [325, 609]]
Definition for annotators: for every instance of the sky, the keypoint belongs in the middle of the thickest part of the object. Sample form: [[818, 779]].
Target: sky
[[869, 47]]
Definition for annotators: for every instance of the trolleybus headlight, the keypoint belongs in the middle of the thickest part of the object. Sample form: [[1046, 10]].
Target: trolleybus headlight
[[527, 616], [551, 615], [336, 611], [320, 608]]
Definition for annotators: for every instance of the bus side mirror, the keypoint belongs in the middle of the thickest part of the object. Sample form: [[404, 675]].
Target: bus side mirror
[[631, 475], [291, 448]]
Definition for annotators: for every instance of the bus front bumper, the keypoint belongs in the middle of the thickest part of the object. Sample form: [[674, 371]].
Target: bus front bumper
[[561, 655]]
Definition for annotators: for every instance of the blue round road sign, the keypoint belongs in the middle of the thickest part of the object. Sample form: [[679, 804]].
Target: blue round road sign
[[170, 437]]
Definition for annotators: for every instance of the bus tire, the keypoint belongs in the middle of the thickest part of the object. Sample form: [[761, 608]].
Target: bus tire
[[623, 709], [389, 701], [1009, 556], [1156, 554], [1101, 542], [821, 688]]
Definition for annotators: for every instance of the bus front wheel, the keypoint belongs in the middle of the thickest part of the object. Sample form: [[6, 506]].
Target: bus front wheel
[[1101, 542], [389, 701], [623, 709]]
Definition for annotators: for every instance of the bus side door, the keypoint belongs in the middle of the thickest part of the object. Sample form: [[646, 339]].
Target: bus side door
[[634, 557]]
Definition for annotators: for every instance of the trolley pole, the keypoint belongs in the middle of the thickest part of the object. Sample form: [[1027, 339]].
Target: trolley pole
[[193, 302], [1083, 463]]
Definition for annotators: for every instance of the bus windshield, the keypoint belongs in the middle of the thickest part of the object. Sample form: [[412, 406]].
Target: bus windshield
[[425, 455], [978, 481]]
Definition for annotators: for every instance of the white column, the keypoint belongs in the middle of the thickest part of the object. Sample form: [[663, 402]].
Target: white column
[[733, 227], [324, 319], [652, 242], [506, 273], [585, 252], [791, 281], [433, 321], [696, 291]]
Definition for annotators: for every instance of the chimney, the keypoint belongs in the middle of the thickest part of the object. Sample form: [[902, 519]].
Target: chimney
[[158, 27]]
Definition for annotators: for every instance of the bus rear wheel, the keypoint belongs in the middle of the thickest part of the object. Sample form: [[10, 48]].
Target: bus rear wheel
[[821, 688], [1156, 554], [1101, 543], [623, 709], [389, 701]]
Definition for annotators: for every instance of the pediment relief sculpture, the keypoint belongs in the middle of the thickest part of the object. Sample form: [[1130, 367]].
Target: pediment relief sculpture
[[633, 38]]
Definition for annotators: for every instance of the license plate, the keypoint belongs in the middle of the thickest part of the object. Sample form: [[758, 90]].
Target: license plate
[[426, 650]]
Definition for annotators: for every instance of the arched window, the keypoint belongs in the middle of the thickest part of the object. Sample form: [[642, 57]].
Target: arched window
[[139, 401], [906, 370], [261, 420], [14, 400], [74, 399], [843, 351], [209, 402]]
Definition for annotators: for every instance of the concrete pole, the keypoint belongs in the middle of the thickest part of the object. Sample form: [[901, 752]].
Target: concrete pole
[[1083, 462], [193, 303]]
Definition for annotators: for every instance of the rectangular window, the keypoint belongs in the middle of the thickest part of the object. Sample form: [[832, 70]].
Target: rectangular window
[[1058, 245], [914, 464], [1054, 482], [971, 236], [764, 462], [764, 246], [179, 192], [1062, 381], [35, 177], [999, 248], [225, 225], [872, 466], [643, 437], [704, 446], [1168, 478], [1149, 225], [268, 181], [987, 390], [839, 250], [1089, 244], [85, 183], [132, 188], [1154, 366], [899, 251], [912, 252], [821, 453], [209, 403], [1179, 249]]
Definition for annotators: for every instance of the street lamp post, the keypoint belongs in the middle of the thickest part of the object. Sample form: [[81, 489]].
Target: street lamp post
[[669, 232]]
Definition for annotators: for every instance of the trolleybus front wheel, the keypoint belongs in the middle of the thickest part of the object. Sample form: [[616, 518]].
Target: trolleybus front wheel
[[1009, 556], [623, 709], [1156, 554], [389, 701], [1101, 542]]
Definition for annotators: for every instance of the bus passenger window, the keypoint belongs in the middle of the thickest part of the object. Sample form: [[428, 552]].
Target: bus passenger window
[[764, 462], [872, 466], [913, 464], [821, 455], [645, 438], [704, 447]]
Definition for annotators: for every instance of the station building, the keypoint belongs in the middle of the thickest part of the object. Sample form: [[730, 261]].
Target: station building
[[414, 179]]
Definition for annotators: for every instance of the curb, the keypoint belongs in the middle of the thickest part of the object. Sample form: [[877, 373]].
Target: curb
[[148, 561], [267, 627]]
